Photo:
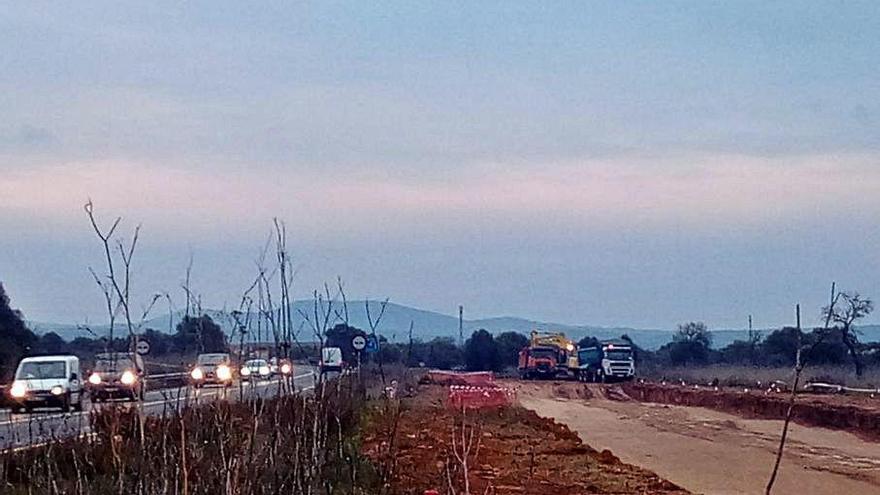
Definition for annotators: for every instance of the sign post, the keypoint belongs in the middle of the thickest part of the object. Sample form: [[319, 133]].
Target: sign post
[[358, 343]]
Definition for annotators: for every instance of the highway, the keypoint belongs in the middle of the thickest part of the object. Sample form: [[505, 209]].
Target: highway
[[19, 431]]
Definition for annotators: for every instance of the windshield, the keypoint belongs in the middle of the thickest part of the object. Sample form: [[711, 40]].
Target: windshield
[[113, 362], [41, 370], [256, 363], [543, 353], [111, 365], [213, 358], [618, 355]]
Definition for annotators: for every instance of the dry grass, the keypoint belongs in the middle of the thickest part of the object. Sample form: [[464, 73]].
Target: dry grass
[[288, 444], [750, 376]]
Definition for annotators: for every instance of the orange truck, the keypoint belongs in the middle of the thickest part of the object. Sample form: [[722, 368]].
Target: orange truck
[[548, 355]]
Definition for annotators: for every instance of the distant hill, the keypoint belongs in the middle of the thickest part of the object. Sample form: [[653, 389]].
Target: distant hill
[[426, 326]]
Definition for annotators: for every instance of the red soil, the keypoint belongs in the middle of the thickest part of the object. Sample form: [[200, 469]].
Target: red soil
[[519, 453]]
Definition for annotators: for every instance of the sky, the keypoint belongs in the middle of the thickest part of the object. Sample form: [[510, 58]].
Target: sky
[[622, 164]]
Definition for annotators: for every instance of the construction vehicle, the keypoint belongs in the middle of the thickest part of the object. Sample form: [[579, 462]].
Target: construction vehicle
[[609, 360], [548, 355]]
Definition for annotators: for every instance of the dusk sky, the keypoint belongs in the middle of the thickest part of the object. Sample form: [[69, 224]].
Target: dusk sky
[[588, 162]]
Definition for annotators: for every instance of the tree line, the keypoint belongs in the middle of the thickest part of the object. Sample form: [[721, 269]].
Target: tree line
[[691, 344]]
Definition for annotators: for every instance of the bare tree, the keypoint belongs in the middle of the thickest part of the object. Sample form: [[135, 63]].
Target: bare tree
[[801, 359], [466, 441], [374, 324], [122, 291], [853, 308]]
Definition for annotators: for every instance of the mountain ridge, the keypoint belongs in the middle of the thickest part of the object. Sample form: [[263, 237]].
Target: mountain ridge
[[427, 325]]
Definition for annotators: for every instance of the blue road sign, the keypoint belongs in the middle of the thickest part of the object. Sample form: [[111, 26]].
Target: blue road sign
[[372, 344]]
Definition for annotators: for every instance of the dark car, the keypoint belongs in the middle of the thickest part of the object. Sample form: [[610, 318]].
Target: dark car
[[214, 368], [116, 375]]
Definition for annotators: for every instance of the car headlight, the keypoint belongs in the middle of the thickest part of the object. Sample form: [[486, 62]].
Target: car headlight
[[264, 370], [95, 379], [197, 374], [18, 390], [223, 372], [128, 378], [245, 371], [285, 369], [57, 390]]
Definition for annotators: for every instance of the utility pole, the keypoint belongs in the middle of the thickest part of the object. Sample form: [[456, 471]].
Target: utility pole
[[752, 342], [461, 326]]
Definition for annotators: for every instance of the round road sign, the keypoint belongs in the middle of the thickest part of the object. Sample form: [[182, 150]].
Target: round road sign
[[143, 347], [358, 342]]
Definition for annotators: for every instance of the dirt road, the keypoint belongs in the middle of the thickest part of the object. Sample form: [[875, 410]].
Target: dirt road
[[706, 451]]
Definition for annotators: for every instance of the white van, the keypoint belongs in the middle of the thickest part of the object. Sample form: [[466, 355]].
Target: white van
[[47, 381], [331, 359]]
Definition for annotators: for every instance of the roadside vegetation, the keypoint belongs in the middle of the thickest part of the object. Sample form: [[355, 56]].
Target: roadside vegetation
[[303, 443]]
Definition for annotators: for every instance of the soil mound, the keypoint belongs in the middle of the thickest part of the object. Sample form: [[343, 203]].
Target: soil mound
[[859, 418], [617, 393], [565, 390]]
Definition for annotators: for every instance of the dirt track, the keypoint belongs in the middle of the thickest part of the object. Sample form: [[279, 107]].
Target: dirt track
[[708, 451]]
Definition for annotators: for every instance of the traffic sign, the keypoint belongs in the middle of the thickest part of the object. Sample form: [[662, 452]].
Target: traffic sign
[[372, 343], [143, 347], [359, 342]]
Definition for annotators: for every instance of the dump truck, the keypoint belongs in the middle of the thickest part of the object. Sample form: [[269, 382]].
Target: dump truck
[[548, 355], [608, 360]]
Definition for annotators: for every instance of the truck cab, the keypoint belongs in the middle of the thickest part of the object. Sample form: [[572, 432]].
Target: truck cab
[[610, 360], [548, 355], [47, 381], [539, 362]]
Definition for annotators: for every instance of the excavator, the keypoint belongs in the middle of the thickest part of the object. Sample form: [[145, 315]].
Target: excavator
[[548, 355]]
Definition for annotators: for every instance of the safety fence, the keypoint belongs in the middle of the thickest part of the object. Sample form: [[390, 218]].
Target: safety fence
[[471, 397]]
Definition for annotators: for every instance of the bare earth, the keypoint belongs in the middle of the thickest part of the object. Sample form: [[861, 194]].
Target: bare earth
[[706, 451]]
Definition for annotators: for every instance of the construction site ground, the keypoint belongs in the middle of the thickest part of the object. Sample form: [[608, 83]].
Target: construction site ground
[[519, 453], [725, 447]]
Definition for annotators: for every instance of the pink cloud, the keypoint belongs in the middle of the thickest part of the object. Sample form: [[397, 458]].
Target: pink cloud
[[694, 189]]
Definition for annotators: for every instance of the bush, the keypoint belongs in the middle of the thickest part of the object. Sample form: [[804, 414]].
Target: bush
[[481, 352]]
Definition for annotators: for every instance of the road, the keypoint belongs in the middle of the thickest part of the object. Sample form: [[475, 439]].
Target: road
[[707, 451], [25, 430]]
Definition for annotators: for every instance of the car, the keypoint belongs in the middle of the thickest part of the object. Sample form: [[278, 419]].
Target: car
[[280, 366], [116, 375], [256, 369], [212, 368], [47, 381]]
